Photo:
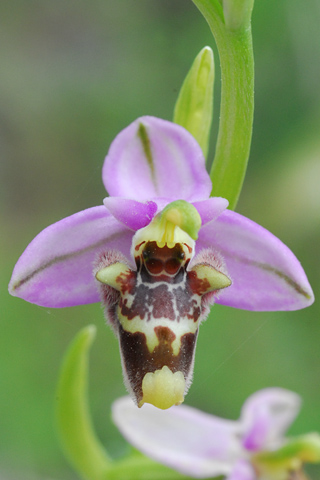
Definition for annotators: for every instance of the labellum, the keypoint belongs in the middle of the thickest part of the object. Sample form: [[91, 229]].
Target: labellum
[[155, 308]]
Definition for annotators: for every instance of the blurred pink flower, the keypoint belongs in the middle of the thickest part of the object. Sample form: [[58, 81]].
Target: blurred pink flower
[[201, 445]]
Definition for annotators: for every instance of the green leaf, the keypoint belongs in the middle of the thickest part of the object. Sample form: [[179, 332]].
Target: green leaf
[[77, 435], [194, 106]]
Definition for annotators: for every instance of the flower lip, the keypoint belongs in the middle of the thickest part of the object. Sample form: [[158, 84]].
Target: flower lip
[[160, 305]]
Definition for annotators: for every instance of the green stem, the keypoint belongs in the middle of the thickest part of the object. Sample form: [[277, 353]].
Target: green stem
[[237, 102], [78, 438]]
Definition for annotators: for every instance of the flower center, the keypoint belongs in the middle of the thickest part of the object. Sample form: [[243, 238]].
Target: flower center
[[286, 463], [178, 223], [158, 307]]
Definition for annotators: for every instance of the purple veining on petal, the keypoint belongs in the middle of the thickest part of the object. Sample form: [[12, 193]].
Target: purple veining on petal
[[132, 214], [156, 158], [55, 270], [265, 273]]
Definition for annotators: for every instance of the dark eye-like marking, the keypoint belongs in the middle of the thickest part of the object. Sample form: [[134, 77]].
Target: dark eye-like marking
[[172, 266], [164, 259], [154, 266]]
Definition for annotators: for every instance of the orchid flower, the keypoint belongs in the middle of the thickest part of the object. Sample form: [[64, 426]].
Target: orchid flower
[[158, 253], [201, 445]]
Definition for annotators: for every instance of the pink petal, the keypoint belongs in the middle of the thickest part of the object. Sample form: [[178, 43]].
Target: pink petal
[[265, 273], [242, 470], [266, 416], [210, 209], [156, 158], [55, 270], [184, 438], [132, 214]]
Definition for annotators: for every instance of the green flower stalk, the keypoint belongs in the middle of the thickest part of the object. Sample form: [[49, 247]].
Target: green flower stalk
[[237, 14], [230, 24]]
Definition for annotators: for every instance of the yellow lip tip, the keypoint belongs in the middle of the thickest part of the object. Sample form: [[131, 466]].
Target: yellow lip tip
[[163, 388]]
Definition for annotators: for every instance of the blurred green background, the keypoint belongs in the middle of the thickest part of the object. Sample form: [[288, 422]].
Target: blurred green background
[[73, 74]]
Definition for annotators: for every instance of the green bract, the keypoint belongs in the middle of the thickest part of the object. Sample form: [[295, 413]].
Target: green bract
[[80, 443], [193, 109]]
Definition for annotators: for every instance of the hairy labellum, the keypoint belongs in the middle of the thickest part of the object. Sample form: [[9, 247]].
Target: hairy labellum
[[155, 311]]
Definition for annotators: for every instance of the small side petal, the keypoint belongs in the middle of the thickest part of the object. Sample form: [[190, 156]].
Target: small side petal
[[211, 209], [132, 214], [186, 439], [156, 158], [266, 416], [55, 270], [265, 273]]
